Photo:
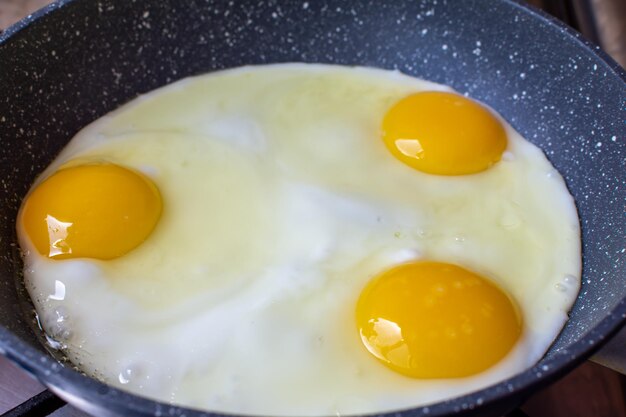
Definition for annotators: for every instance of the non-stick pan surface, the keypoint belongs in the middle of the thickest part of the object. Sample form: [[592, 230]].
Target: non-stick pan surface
[[76, 60]]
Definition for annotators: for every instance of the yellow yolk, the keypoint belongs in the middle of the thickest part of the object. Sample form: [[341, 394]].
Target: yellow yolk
[[436, 320], [92, 211], [443, 133]]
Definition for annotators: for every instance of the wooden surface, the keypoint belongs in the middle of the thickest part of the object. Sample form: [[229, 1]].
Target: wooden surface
[[611, 23], [15, 385], [13, 10], [588, 391]]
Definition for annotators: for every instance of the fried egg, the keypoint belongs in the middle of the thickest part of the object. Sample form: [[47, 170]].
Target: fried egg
[[299, 239]]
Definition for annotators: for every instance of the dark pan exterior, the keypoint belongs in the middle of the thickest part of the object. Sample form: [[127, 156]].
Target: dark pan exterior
[[76, 60]]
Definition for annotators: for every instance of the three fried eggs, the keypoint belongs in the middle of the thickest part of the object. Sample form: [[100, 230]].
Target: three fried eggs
[[290, 243]]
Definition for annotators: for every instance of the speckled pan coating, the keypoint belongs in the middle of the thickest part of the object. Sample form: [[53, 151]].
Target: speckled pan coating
[[66, 67]]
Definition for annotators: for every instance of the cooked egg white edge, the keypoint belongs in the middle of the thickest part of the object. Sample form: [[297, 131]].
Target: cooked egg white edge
[[120, 334]]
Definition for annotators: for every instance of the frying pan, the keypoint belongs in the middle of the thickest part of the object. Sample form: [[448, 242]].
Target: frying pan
[[76, 60]]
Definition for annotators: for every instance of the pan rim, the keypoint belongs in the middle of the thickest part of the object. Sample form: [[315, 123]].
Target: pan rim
[[73, 383]]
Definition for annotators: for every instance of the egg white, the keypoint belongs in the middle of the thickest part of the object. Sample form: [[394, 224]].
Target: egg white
[[280, 203]]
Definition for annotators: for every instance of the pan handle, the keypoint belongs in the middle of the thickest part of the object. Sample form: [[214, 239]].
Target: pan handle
[[613, 354]]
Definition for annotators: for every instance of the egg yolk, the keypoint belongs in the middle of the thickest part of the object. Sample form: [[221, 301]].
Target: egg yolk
[[92, 211], [436, 320], [443, 133]]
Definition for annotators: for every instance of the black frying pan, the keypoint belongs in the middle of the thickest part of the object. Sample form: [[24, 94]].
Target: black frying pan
[[76, 60]]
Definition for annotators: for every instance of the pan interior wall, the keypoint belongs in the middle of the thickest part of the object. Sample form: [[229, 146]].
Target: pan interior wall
[[75, 65]]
